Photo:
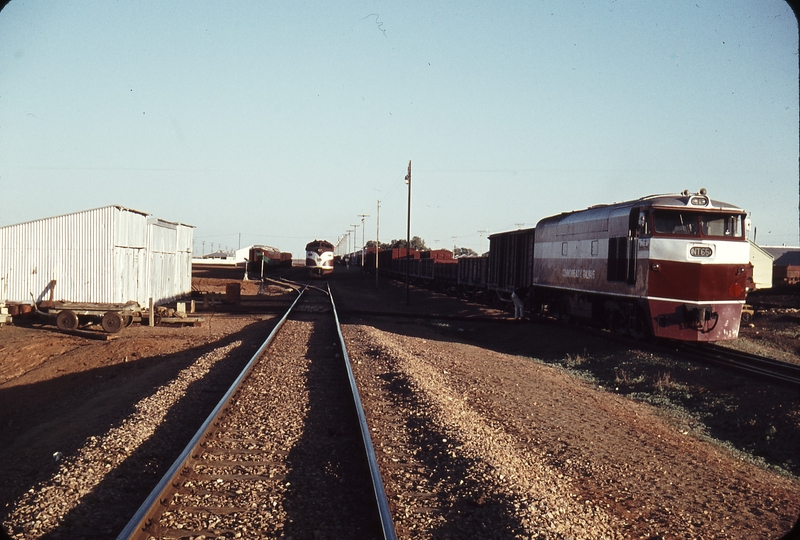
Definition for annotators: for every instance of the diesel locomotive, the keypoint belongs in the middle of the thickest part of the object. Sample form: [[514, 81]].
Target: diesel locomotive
[[674, 266], [319, 258]]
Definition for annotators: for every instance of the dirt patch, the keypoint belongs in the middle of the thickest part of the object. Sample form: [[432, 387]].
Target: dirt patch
[[58, 391]]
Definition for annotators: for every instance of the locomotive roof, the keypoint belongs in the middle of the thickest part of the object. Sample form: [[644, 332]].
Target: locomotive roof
[[318, 244], [695, 201]]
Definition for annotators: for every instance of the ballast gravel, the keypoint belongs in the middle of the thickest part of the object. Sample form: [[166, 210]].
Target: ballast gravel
[[42, 508], [472, 441], [475, 440]]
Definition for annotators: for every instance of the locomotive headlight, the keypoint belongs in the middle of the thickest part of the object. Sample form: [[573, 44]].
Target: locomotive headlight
[[655, 267]]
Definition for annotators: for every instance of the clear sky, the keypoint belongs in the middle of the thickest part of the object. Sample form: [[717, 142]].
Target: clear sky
[[281, 122]]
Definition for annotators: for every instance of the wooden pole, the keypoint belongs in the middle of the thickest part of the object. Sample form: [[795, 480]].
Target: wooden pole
[[408, 234], [377, 241]]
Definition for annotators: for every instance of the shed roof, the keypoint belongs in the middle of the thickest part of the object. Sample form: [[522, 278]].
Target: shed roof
[[119, 207], [784, 255]]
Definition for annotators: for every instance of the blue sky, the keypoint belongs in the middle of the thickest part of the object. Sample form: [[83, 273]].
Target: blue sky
[[282, 122]]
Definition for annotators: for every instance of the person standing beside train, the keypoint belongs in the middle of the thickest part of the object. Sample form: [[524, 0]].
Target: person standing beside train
[[518, 297]]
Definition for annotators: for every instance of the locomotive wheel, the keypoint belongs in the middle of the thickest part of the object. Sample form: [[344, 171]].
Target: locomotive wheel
[[127, 320], [563, 313], [112, 322], [613, 322], [67, 320], [638, 326]]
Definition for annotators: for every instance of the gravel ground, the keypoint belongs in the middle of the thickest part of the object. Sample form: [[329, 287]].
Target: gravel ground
[[43, 507], [91, 426], [541, 431], [285, 459], [538, 454], [483, 429]]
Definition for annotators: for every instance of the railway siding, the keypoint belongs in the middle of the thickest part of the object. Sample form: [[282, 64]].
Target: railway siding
[[285, 456]]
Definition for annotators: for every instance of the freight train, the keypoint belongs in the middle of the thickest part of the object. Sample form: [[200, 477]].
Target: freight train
[[262, 259], [319, 258], [670, 266]]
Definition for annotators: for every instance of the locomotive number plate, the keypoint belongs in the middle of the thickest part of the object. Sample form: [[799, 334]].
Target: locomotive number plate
[[701, 251]]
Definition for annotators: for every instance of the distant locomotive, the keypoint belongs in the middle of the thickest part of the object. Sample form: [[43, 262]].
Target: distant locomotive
[[672, 266], [319, 258]]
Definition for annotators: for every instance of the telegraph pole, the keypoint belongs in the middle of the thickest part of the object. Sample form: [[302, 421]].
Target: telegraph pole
[[480, 242], [355, 241], [408, 234], [377, 240], [363, 240]]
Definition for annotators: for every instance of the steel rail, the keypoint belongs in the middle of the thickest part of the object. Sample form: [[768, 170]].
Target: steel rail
[[711, 353], [750, 363], [377, 482], [290, 283], [139, 519]]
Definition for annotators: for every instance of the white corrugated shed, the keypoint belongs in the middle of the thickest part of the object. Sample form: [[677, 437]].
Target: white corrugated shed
[[107, 255], [184, 254], [170, 262]]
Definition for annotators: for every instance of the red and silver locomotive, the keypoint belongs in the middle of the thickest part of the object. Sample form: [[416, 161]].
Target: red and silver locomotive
[[319, 258], [672, 266]]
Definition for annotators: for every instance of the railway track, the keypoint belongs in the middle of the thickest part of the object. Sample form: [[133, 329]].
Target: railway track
[[720, 355], [746, 362], [707, 352], [286, 452]]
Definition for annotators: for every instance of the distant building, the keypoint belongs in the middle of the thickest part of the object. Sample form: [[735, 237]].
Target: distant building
[[785, 264], [224, 255], [237, 257], [108, 255]]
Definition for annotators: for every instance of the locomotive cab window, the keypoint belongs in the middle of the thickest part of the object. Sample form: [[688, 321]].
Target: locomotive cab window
[[644, 227], [721, 225], [681, 223], [676, 222]]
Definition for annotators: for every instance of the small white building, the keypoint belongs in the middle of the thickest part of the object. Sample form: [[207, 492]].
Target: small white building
[[761, 260], [108, 255], [229, 258]]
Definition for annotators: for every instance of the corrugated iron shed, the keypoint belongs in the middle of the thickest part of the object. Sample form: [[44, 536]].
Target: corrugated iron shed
[[108, 255]]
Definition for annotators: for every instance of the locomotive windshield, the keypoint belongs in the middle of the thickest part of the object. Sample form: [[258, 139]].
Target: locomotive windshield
[[684, 223]]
